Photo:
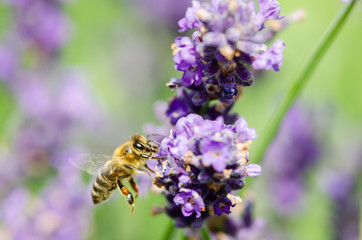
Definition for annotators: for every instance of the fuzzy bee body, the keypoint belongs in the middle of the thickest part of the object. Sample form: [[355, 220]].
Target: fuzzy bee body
[[105, 184], [127, 159]]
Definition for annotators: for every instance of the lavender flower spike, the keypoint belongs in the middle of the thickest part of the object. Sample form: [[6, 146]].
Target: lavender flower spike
[[214, 61], [206, 161]]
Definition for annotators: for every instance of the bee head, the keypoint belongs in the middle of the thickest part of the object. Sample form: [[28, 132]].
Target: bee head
[[141, 146]]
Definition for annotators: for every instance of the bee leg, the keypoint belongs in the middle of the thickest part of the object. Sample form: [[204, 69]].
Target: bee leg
[[149, 169], [124, 190], [158, 158], [134, 186]]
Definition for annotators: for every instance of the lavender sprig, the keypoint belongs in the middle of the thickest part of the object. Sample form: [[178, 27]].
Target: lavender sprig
[[215, 61], [292, 155], [206, 162]]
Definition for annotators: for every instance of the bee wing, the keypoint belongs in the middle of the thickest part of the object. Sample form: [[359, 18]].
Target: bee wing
[[91, 163]]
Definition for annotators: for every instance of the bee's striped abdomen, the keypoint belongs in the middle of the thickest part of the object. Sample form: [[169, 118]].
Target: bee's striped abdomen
[[103, 187]]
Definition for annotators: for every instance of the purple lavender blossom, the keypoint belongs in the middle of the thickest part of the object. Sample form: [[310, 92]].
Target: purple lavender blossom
[[240, 225], [272, 27], [272, 58], [42, 23], [294, 152], [8, 63], [269, 9], [216, 57], [60, 212], [206, 161], [186, 61], [73, 107], [176, 110], [214, 61], [186, 102], [52, 103], [340, 180], [191, 202]]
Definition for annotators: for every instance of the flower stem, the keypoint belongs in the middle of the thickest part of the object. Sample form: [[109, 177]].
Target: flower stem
[[360, 220], [301, 79], [169, 231], [205, 233]]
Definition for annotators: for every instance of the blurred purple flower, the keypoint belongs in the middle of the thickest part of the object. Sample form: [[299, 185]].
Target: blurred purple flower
[[163, 130], [8, 63], [60, 212], [206, 161], [294, 152], [53, 105], [340, 181], [42, 23], [240, 225], [177, 109], [190, 20]]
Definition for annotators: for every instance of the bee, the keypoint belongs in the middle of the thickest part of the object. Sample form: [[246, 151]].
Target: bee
[[127, 160]]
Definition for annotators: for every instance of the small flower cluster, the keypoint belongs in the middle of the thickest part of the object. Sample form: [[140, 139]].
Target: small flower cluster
[[61, 211], [292, 155], [206, 156], [206, 161], [340, 180], [241, 225], [52, 102], [47, 36], [48, 120], [214, 61]]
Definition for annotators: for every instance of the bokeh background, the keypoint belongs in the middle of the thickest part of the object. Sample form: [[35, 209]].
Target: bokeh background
[[92, 80]]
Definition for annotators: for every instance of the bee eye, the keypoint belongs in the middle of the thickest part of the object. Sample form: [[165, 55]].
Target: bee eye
[[138, 146]]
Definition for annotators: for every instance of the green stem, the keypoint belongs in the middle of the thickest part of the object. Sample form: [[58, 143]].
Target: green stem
[[302, 78], [205, 233], [360, 220], [170, 230]]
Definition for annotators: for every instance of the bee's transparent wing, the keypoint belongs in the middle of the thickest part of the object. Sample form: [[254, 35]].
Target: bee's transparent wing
[[91, 163]]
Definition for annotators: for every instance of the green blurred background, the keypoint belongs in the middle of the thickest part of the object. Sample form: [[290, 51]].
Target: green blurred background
[[128, 60]]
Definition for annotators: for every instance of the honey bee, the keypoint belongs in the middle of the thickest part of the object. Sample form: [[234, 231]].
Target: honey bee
[[127, 160]]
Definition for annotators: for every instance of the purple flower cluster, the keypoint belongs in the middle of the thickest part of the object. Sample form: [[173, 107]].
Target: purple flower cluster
[[294, 152], [52, 100], [42, 23], [59, 212], [215, 59], [340, 180], [206, 161], [215, 62], [241, 225], [52, 103], [47, 124]]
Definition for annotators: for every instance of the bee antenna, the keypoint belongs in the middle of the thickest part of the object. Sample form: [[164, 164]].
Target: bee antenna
[[149, 169], [153, 141], [158, 158], [155, 134]]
